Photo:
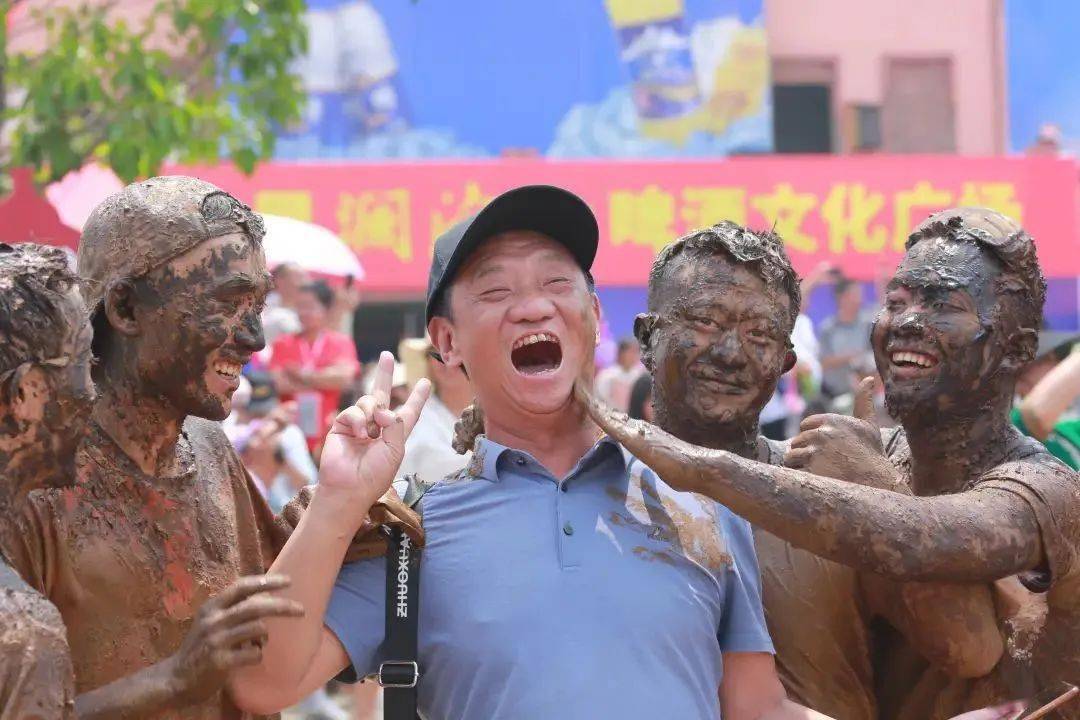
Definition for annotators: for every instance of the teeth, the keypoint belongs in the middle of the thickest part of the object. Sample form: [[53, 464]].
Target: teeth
[[914, 358], [533, 339], [228, 368]]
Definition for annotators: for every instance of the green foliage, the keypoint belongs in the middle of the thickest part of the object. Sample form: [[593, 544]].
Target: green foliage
[[200, 80]]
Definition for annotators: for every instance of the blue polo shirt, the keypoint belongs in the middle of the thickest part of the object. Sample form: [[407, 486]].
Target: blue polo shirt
[[605, 594]]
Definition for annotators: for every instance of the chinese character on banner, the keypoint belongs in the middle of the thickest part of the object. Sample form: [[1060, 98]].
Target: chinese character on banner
[[642, 218], [848, 211], [786, 210], [295, 204], [926, 199], [1000, 196], [454, 208], [703, 207], [376, 220]]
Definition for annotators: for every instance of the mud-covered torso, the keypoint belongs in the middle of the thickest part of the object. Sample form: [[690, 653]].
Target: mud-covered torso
[[1038, 612], [128, 559], [818, 623], [35, 667]]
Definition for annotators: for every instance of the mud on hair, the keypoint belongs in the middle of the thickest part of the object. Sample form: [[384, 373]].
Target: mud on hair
[[1021, 277], [761, 250], [34, 280]]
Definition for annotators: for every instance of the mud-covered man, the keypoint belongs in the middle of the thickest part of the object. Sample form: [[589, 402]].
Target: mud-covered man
[[957, 495], [144, 556], [45, 399], [716, 338]]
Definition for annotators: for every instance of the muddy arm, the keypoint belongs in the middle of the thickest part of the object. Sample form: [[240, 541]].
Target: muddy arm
[[969, 537], [143, 695], [953, 626]]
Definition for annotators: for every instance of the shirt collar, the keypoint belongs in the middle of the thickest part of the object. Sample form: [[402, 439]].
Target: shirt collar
[[486, 454]]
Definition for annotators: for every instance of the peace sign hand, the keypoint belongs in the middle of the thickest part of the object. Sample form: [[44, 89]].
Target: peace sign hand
[[366, 442]]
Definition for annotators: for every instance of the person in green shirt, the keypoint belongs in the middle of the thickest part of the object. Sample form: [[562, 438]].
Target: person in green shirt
[[1047, 388]]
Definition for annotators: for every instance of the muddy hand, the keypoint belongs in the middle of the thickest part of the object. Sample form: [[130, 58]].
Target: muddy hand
[[845, 448], [369, 540], [681, 465], [228, 633], [366, 442]]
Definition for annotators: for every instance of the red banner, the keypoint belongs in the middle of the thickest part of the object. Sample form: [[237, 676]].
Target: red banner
[[855, 212]]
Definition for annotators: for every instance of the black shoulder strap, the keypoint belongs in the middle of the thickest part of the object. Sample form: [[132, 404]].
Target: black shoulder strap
[[400, 674]]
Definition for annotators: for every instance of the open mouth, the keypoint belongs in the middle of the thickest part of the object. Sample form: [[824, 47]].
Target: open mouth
[[536, 354], [228, 370], [911, 359]]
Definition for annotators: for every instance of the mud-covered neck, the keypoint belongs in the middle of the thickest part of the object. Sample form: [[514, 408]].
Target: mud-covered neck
[[949, 452], [739, 437], [146, 428]]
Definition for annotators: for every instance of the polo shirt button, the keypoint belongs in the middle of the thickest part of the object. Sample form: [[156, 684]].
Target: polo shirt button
[[568, 529]]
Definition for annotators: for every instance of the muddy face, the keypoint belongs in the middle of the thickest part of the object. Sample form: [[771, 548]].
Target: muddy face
[[524, 319], [718, 344], [55, 400], [939, 341], [198, 320]]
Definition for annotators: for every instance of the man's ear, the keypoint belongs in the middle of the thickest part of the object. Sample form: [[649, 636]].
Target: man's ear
[[119, 307], [1020, 349], [790, 358], [25, 396], [644, 326], [441, 331]]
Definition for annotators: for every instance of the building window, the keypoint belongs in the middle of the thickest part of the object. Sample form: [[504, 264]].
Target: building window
[[803, 113], [918, 115]]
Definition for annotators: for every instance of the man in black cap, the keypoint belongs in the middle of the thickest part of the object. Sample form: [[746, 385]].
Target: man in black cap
[[560, 577]]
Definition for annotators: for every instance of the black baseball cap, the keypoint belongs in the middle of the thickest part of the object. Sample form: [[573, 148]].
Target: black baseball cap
[[552, 211]]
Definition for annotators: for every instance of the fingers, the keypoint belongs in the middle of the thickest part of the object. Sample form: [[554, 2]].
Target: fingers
[[245, 587], [410, 411], [807, 438], [798, 457], [250, 632], [351, 422], [384, 379], [255, 608], [242, 657], [814, 421], [864, 400]]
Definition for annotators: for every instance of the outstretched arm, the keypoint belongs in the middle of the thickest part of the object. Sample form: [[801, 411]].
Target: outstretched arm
[[226, 635], [975, 536], [360, 459], [1042, 407]]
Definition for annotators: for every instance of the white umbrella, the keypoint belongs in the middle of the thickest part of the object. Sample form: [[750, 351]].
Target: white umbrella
[[310, 246]]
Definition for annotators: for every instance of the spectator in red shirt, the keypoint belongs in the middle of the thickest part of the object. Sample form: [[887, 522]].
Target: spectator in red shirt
[[313, 366]]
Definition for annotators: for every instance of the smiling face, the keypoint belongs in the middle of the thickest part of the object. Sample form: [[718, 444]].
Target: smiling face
[[718, 343], [523, 324], [198, 322], [940, 341]]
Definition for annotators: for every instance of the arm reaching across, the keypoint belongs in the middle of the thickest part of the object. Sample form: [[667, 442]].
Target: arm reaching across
[[227, 634], [360, 459], [954, 626], [897, 535]]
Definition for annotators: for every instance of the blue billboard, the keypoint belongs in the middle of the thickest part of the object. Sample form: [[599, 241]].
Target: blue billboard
[[563, 78]]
